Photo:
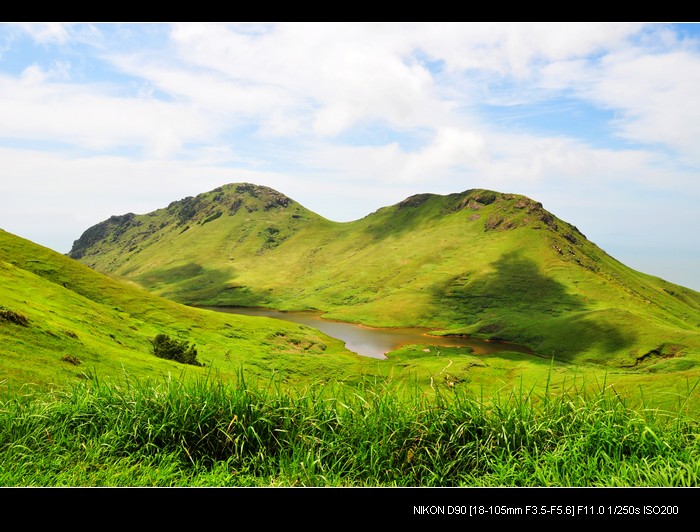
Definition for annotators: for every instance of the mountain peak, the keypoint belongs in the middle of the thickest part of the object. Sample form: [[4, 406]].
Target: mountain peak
[[231, 198], [127, 232]]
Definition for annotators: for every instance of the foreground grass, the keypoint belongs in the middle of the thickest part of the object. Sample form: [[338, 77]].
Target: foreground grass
[[208, 433]]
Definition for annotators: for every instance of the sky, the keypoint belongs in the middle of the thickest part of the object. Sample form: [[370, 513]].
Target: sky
[[600, 122]]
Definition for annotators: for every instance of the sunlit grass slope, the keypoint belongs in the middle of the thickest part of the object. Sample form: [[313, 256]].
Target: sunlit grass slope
[[61, 321], [479, 262]]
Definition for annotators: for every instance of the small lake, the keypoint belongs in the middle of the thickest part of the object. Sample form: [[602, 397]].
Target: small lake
[[373, 341]]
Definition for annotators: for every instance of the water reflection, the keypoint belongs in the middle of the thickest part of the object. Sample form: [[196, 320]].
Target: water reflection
[[372, 341]]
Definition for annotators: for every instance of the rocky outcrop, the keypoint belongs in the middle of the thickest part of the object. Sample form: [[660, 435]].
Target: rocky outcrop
[[114, 226]]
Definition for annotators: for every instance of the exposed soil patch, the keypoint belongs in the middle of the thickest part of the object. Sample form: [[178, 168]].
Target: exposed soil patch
[[663, 351]]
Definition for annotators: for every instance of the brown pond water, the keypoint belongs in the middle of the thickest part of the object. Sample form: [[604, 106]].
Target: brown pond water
[[375, 342]]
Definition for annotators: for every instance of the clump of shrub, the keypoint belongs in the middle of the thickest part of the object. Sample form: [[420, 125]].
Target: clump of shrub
[[271, 234], [71, 360], [178, 350], [10, 315], [213, 217]]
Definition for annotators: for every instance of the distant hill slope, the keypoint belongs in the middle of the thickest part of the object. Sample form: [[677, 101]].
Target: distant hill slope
[[478, 262], [61, 321]]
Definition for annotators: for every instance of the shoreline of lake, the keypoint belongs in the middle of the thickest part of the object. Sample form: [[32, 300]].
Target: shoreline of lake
[[375, 342]]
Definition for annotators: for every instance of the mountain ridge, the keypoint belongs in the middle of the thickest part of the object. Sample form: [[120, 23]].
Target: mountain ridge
[[478, 262]]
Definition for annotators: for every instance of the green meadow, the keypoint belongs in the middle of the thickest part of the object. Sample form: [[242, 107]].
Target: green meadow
[[608, 397]]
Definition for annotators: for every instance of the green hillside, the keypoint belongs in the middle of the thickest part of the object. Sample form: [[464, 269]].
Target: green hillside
[[479, 262], [309, 412], [61, 321]]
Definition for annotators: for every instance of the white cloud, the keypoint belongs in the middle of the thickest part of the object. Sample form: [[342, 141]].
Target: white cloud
[[491, 158], [515, 50], [60, 33], [88, 116], [449, 150], [342, 74], [656, 96], [652, 91], [224, 101], [47, 32], [34, 75]]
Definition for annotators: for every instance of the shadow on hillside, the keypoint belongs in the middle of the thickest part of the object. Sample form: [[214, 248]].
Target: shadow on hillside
[[192, 283], [517, 302], [402, 218]]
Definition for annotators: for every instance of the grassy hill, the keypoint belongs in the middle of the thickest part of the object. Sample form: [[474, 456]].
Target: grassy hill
[[308, 412], [479, 262], [61, 321]]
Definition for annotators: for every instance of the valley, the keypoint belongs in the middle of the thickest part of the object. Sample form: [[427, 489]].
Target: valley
[[480, 263], [592, 359]]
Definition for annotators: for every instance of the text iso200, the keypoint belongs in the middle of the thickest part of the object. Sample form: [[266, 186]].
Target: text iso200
[[660, 510]]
